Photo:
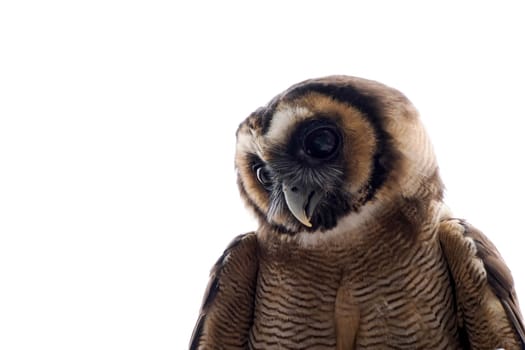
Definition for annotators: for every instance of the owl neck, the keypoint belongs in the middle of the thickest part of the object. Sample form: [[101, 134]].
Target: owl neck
[[405, 218]]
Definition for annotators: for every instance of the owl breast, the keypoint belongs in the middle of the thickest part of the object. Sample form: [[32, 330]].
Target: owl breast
[[404, 300], [295, 300]]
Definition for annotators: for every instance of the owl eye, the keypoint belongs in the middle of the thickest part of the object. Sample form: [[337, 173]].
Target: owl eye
[[321, 143], [263, 175]]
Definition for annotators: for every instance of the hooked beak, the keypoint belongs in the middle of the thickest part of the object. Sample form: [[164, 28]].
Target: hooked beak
[[302, 202]]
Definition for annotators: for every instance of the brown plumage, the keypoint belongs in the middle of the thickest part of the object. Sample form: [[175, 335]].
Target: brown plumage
[[355, 248]]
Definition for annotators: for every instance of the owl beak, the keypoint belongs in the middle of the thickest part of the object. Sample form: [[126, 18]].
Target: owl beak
[[302, 202]]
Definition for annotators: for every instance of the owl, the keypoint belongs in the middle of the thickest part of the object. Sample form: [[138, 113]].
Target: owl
[[355, 248]]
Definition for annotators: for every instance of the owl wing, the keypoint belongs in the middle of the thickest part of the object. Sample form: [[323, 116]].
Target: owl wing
[[227, 311], [488, 312]]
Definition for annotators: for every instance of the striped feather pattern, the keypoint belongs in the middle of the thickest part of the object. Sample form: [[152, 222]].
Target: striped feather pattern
[[399, 285], [227, 311], [486, 299], [440, 289]]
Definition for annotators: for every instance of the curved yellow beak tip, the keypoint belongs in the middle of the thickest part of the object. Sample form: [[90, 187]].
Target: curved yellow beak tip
[[306, 222]]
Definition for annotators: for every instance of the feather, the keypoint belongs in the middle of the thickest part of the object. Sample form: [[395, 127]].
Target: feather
[[227, 311], [487, 305]]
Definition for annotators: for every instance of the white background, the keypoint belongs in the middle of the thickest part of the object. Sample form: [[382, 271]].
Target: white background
[[117, 133]]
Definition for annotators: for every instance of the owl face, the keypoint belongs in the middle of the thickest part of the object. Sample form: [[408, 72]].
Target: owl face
[[327, 148]]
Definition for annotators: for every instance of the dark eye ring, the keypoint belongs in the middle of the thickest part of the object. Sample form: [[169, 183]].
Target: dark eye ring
[[263, 175], [322, 142]]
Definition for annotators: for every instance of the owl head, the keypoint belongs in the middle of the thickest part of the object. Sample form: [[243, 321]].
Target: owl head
[[329, 154]]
